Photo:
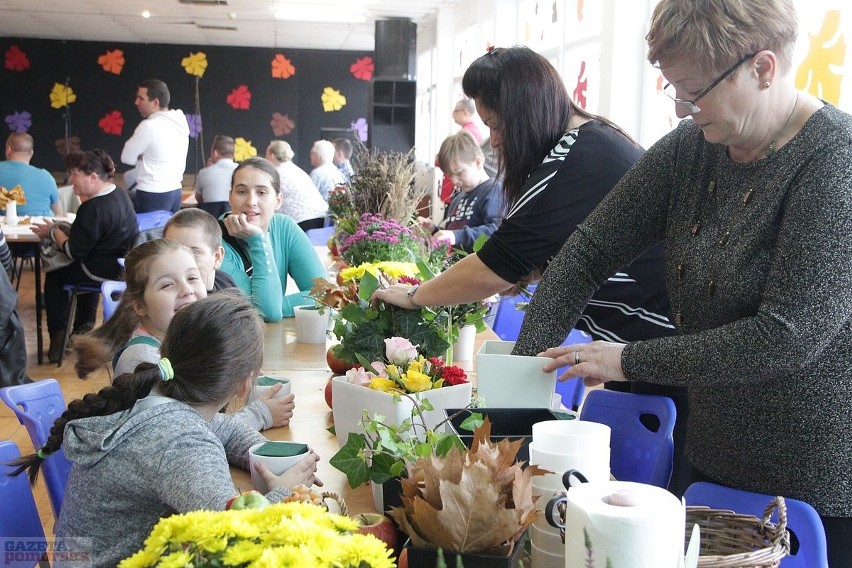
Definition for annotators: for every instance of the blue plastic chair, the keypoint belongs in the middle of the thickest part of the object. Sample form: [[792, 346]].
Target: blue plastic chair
[[111, 292], [320, 237], [37, 406], [152, 219], [20, 521], [808, 548], [641, 446]]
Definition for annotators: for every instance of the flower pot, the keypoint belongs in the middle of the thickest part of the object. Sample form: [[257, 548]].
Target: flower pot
[[512, 381], [428, 557], [387, 494], [351, 400], [463, 347]]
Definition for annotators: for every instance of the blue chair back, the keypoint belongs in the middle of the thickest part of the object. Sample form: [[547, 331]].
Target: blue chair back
[[152, 219], [20, 521], [320, 237], [111, 291], [808, 548], [37, 406], [641, 446]]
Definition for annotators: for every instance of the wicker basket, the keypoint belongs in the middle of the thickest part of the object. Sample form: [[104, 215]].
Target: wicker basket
[[732, 540]]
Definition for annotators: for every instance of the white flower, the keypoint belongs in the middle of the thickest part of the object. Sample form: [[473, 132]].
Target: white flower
[[399, 350]]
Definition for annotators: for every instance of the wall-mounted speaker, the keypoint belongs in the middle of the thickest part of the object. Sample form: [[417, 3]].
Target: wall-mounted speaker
[[396, 49]]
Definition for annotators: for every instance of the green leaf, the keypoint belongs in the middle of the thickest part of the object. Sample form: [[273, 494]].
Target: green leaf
[[348, 460], [367, 286], [355, 314], [446, 442], [472, 422], [479, 242], [382, 467]]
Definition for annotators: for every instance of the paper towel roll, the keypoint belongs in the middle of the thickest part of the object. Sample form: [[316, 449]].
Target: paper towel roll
[[620, 523]]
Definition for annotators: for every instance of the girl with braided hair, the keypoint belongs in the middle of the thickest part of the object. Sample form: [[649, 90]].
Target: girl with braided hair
[[154, 444], [162, 277]]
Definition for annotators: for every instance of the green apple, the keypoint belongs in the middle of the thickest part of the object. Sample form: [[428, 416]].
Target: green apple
[[247, 500]]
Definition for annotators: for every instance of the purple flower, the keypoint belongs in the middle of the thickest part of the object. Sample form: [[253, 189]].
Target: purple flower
[[19, 121], [194, 121], [360, 126]]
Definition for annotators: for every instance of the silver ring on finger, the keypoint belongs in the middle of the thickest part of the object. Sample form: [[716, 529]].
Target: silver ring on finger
[[576, 357]]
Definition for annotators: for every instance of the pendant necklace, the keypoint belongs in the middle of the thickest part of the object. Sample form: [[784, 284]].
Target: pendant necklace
[[773, 145]]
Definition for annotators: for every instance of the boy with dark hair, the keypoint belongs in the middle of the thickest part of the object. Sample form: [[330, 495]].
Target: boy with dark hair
[[200, 232]]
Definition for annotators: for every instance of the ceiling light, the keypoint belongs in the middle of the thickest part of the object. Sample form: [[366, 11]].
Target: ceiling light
[[320, 13], [146, 14]]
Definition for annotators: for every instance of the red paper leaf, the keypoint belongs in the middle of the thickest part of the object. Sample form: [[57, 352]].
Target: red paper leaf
[[16, 60], [281, 124], [112, 61], [363, 68], [282, 68], [582, 86], [112, 123], [240, 98]]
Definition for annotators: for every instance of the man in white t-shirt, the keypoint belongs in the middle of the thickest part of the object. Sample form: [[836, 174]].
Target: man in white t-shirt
[[158, 149], [213, 183]]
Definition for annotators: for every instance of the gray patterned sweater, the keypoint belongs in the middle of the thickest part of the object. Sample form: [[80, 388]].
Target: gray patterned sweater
[[759, 272], [129, 470]]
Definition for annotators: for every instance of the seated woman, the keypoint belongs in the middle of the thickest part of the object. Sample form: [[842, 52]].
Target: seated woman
[[104, 230], [263, 247], [301, 199]]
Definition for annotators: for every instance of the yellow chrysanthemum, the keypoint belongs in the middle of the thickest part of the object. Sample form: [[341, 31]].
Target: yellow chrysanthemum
[[393, 269], [175, 560], [416, 381]]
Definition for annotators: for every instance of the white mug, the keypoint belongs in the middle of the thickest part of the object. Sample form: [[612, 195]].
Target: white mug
[[277, 465]]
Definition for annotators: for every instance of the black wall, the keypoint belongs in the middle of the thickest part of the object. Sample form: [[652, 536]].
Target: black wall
[[100, 92]]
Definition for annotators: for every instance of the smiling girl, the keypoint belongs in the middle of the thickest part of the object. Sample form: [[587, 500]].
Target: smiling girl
[[263, 247]]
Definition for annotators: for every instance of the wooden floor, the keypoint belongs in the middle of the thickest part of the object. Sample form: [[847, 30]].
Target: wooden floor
[[72, 387]]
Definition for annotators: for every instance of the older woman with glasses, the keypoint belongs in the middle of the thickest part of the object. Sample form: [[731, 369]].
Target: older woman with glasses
[[753, 201]]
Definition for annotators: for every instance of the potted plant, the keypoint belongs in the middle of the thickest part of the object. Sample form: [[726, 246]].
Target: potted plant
[[261, 536], [403, 384]]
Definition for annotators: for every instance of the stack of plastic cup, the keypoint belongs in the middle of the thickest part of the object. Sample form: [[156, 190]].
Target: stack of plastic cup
[[557, 446]]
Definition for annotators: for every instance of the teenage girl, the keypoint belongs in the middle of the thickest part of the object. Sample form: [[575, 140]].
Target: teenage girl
[[162, 277], [154, 444]]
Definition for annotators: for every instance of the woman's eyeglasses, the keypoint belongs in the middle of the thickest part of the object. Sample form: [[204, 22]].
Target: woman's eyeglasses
[[690, 105]]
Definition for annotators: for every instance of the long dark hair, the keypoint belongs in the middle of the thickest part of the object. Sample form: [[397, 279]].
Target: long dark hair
[[214, 345], [528, 96], [263, 165], [91, 161], [97, 348]]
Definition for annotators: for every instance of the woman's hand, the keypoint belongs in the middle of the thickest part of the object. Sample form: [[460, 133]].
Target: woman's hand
[[303, 473], [443, 236], [42, 230], [396, 295], [239, 227], [597, 362], [280, 408], [426, 224]]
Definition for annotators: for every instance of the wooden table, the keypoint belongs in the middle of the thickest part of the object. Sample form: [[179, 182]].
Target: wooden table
[[305, 366], [22, 234]]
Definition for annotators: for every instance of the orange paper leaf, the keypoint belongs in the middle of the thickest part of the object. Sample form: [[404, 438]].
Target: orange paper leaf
[[282, 68], [112, 61]]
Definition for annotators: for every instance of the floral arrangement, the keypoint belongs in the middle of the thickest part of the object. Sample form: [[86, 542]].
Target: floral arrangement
[[378, 238], [340, 204], [284, 534], [15, 194], [384, 184], [404, 370], [476, 500]]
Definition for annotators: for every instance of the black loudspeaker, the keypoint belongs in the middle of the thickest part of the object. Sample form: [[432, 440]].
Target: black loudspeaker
[[396, 49]]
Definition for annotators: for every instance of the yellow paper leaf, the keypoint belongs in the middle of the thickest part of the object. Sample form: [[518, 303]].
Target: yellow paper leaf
[[243, 149], [61, 96], [195, 63], [332, 100]]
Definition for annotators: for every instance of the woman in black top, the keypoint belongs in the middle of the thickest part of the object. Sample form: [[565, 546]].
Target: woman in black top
[[104, 230]]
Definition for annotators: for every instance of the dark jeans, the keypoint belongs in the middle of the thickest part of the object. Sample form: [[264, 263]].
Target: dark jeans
[[168, 201], [838, 530], [56, 299]]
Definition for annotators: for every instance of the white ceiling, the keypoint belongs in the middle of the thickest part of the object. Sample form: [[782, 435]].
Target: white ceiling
[[176, 22]]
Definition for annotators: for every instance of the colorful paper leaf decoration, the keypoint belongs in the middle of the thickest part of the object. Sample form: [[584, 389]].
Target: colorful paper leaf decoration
[[112, 61], [61, 96], [582, 86], [243, 149], [19, 121], [195, 64], [16, 60], [363, 68], [332, 100], [282, 68], [281, 124], [194, 121], [360, 126], [240, 98], [112, 123]]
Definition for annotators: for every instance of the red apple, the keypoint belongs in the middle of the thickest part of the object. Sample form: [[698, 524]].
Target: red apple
[[380, 527], [402, 562], [338, 366], [328, 393], [247, 500]]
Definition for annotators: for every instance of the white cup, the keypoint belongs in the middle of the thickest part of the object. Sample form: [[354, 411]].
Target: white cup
[[463, 347], [542, 558], [570, 436], [263, 384], [548, 540], [277, 465], [593, 460], [311, 325]]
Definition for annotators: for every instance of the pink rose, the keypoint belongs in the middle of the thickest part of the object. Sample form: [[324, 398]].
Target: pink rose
[[399, 350], [358, 376]]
